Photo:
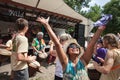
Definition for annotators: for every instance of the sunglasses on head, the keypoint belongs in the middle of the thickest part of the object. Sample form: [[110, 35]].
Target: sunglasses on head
[[74, 46]]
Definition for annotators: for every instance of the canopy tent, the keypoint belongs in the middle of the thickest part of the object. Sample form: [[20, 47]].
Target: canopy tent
[[59, 6], [56, 8]]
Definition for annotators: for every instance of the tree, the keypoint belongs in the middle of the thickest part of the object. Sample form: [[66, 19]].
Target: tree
[[94, 12], [77, 4], [113, 7]]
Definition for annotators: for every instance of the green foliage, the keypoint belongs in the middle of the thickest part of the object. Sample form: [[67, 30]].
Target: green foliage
[[70, 30], [113, 7], [94, 13], [77, 4]]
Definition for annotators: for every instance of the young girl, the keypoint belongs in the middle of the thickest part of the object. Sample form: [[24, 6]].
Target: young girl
[[72, 60]]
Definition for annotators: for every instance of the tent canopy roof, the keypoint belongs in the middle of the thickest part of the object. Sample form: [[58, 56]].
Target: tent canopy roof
[[55, 6]]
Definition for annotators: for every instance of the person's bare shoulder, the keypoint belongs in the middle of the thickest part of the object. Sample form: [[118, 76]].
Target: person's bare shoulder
[[111, 53]]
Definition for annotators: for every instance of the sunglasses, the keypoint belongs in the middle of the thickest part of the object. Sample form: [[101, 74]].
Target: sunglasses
[[73, 46]]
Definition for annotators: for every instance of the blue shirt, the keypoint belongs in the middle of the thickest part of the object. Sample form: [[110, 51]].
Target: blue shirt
[[75, 73]]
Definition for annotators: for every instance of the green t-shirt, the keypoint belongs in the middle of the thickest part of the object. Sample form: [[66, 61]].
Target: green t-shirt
[[39, 44]]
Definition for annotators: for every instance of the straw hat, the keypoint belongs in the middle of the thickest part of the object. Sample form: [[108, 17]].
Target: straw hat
[[66, 45]]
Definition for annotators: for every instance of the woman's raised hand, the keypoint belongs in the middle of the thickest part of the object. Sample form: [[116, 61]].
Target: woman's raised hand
[[43, 20]]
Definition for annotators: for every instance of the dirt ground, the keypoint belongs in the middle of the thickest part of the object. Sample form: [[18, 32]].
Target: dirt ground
[[48, 72]]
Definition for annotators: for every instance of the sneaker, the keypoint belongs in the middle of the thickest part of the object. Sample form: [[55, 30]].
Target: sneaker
[[104, 20]]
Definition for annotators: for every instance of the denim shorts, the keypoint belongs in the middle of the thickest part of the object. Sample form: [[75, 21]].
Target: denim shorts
[[21, 74]]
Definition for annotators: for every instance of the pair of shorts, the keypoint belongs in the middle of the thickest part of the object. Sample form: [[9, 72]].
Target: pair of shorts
[[58, 78], [21, 74]]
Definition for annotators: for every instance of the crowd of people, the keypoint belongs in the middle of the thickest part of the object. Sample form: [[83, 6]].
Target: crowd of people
[[71, 58]]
